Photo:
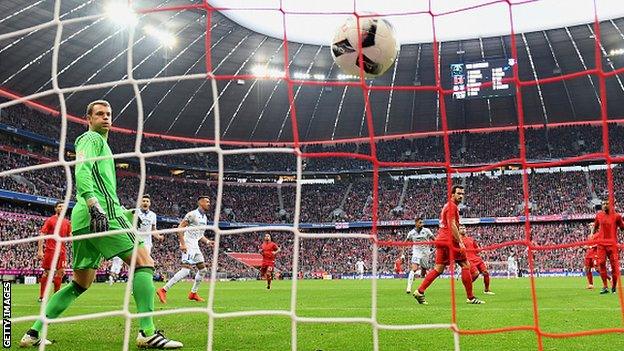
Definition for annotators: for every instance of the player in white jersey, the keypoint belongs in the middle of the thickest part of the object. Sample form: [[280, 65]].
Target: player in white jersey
[[360, 267], [147, 223], [420, 253], [115, 270], [191, 254], [512, 266]]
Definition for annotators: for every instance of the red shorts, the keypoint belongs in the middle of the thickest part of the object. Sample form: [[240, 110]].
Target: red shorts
[[443, 255], [266, 268], [478, 266], [47, 261], [590, 261], [607, 251]]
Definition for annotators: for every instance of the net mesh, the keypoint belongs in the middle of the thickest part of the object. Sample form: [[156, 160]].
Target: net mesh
[[136, 84]]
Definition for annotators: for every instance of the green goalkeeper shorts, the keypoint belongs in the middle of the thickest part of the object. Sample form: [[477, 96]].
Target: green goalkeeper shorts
[[88, 253]]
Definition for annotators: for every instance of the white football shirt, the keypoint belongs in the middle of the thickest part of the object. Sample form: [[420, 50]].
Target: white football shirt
[[511, 262], [194, 218], [423, 235], [148, 219]]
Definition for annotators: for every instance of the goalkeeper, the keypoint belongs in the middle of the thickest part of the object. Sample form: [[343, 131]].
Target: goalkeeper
[[98, 210]]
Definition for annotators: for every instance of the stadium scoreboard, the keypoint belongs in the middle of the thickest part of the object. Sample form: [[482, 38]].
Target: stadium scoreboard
[[469, 78]]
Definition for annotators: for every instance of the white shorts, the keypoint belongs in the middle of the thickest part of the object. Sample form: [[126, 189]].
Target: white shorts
[[193, 256], [116, 265], [417, 256], [360, 271], [512, 268], [148, 248], [421, 258]]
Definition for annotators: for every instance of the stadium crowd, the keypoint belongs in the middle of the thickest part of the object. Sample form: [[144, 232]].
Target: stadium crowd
[[349, 198], [465, 148], [328, 255]]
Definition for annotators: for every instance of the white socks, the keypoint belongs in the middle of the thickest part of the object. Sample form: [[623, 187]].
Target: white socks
[[199, 277], [181, 274], [410, 280]]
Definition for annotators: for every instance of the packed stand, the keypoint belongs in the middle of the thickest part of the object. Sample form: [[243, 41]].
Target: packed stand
[[465, 148], [349, 199], [331, 256]]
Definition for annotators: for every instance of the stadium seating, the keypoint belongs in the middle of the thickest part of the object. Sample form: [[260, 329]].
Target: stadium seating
[[488, 194]]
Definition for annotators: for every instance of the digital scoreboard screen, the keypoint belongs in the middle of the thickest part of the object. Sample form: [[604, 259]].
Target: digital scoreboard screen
[[469, 78]]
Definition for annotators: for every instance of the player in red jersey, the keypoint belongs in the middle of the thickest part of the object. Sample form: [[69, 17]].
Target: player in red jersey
[[477, 266], [591, 257], [449, 247], [47, 254], [398, 264], [268, 249], [606, 224]]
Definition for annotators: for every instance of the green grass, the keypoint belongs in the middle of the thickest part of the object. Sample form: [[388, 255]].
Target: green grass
[[564, 306]]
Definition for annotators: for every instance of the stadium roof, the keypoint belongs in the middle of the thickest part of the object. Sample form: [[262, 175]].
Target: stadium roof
[[454, 19], [94, 50]]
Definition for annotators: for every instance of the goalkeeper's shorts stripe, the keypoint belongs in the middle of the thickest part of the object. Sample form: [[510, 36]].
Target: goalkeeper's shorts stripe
[[122, 222]]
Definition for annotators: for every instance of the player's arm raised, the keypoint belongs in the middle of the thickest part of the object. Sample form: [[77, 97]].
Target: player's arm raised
[[88, 147], [181, 227]]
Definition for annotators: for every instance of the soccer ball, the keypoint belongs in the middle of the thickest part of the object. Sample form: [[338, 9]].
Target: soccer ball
[[379, 46]]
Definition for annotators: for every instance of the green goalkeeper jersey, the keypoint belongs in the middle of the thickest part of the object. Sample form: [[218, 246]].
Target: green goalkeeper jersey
[[94, 179]]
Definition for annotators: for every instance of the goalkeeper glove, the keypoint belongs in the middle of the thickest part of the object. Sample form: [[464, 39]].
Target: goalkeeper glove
[[99, 220]]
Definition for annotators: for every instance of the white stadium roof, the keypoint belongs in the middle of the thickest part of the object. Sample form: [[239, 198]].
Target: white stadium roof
[[314, 21]]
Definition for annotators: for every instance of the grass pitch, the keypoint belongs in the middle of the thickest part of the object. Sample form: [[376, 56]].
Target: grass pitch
[[563, 306]]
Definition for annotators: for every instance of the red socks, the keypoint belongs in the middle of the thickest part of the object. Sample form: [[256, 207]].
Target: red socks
[[486, 281], [58, 280], [590, 277], [475, 274], [615, 274], [467, 280], [603, 275], [42, 285], [429, 278]]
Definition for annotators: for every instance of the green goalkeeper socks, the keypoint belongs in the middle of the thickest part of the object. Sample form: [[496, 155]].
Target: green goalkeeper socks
[[142, 287], [59, 302], [144, 290]]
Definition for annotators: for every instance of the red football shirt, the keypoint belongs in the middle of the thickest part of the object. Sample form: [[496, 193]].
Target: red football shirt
[[48, 229], [450, 214], [398, 265], [607, 225], [472, 253], [268, 252], [593, 249]]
